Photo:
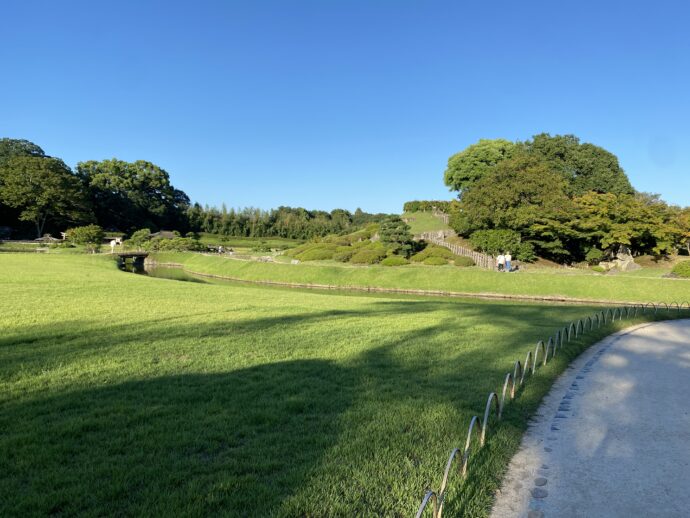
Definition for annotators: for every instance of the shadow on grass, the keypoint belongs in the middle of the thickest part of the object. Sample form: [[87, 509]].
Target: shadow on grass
[[303, 437]]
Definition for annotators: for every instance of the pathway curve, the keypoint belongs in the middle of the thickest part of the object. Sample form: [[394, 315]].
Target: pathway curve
[[612, 438]]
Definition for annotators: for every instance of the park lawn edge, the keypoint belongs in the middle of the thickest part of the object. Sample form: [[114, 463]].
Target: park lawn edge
[[438, 281]]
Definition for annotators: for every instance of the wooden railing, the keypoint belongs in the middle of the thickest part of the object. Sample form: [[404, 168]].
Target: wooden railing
[[480, 259]]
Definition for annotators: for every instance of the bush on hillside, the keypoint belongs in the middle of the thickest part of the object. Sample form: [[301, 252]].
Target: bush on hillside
[[344, 253], [682, 269], [598, 269], [395, 260], [368, 256], [317, 252], [424, 206], [432, 251], [464, 261], [435, 261]]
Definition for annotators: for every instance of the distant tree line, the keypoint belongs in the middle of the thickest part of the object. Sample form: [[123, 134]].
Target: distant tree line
[[559, 198], [40, 194], [427, 206], [288, 222]]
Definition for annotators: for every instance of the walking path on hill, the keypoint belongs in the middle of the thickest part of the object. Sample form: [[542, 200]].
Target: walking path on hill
[[612, 438]]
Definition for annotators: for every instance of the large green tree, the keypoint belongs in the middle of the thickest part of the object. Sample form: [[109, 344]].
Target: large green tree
[[131, 195], [520, 194], [9, 148], [42, 189], [474, 162], [586, 167]]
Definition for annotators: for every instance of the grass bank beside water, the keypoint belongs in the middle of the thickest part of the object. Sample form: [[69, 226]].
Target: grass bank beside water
[[542, 283]]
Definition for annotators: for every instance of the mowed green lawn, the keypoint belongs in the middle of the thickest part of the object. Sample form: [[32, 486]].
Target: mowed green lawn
[[421, 222], [127, 395], [537, 283]]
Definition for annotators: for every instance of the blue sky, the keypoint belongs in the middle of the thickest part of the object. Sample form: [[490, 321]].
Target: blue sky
[[344, 104]]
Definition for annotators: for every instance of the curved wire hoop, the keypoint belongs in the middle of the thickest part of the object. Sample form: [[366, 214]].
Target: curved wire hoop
[[430, 496], [493, 398]]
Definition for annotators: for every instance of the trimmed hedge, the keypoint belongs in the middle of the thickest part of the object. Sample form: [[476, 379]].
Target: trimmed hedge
[[682, 269], [435, 261], [432, 251], [395, 260], [463, 261]]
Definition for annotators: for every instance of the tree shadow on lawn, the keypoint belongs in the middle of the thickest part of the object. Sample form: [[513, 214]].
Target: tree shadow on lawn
[[304, 437]]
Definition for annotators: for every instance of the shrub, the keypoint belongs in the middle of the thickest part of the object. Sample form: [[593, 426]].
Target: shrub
[[368, 256], [464, 261], [594, 255], [525, 252], [432, 251], [682, 269], [344, 254], [394, 260], [435, 261], [317, 252], [91, 236], [598, 269]]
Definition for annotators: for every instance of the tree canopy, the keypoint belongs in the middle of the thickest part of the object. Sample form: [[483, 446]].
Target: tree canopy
[[42, 189], [468, 166], [131, 195]]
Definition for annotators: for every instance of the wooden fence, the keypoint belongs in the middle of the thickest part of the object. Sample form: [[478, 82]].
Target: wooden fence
[[482, 260]]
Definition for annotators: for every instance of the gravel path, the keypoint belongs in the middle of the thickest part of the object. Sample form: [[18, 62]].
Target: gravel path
[[612, 438]]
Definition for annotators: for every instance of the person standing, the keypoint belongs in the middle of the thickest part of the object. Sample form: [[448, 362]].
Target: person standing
[[508, 259], [500, 262]]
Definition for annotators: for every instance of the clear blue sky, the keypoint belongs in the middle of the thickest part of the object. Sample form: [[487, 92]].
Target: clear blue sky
[[329, 104]]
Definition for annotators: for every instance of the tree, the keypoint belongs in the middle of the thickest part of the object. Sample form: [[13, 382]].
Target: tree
[[395, 234], [641, 222], [18, 147], [474, 162], [139, 238], [12, 148], [43, 189], [91, 236], [586, 167], [129, 195]]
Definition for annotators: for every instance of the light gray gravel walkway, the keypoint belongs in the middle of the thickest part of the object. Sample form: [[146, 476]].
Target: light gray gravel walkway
[[612, 438]]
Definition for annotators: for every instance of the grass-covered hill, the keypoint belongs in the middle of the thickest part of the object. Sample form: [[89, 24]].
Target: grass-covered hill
[[363, 247]]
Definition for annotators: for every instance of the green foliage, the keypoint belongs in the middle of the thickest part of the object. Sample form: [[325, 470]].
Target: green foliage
[[432, 251], [344, 253], [594, 256], [494, 242], [682, 269], [427, 206], [463, 261], [586, 167], [43, 189], [470, 165], [598, 269], [139, 238], [395, 235], [129, 195], [435, 261], [315, 252], [370, 254], [91, 236], [394, 260], [176, 244]]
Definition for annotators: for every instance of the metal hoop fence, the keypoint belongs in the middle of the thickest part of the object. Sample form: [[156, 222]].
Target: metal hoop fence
[[435, 500]]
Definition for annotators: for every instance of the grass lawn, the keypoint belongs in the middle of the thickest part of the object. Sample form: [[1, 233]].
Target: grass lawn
[[127, 395], [424, 222], [539, 282]]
